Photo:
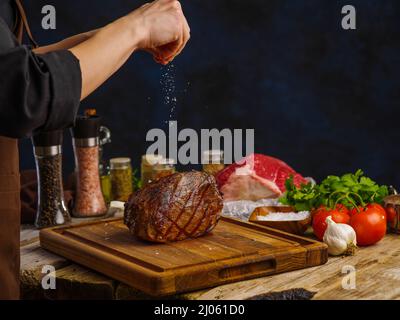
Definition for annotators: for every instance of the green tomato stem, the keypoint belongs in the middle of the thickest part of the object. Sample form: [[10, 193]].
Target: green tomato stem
[[359, 197]]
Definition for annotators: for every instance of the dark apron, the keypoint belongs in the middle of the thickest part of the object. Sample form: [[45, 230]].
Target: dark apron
[[9, 219], [10, 204]]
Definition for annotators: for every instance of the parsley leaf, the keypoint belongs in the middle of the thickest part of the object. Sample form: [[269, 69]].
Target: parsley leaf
[[350, 190]]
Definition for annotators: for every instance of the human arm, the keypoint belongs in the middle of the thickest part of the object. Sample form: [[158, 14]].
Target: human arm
[[66, 43], [158, 27], [42, 91]]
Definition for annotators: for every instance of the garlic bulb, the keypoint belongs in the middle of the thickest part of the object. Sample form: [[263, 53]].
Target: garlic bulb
[[340, 238]]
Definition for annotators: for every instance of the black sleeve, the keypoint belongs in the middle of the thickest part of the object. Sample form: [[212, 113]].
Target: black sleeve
[[37, 92]]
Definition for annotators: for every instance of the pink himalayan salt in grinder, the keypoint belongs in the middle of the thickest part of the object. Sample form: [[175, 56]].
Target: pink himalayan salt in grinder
[[89, 199]]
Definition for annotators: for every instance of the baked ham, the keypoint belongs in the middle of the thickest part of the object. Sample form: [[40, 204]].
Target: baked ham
[[256, 177], [174, 208]]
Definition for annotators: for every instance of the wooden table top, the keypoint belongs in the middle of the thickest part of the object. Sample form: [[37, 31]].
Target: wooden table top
[[374, 274]]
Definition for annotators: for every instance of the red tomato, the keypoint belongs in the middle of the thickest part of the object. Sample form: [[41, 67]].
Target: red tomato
[[342, 208], [354, 211], [319, 220], [369, 224], [339, 207], [391, 214], [377, 207]]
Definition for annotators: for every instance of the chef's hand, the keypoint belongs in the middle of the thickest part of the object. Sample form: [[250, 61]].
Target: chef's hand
[[162, 29], [158, 27]]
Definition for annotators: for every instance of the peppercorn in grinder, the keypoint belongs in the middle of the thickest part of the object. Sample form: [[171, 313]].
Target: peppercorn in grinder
[[89, 200], [52, 211]]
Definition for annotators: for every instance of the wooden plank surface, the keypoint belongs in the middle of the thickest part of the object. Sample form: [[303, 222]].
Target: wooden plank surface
[[233, 251], [80, 283], [377, 277]]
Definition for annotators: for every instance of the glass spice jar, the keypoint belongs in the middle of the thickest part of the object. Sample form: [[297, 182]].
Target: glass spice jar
[[147, 167], [164, 168], [106, 188], [392, 206], [104, 169], [121, 179], [51, 210], [213, 161], [89, 199]]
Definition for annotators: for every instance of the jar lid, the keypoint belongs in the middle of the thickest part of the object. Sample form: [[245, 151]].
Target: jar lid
[[86, 127], [392, 200], [167, 162], [48, 139], [213, 156], [151, 159], [120, 163]]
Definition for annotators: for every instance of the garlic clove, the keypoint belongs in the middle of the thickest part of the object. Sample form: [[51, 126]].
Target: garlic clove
[[336, 246], [340, 238]]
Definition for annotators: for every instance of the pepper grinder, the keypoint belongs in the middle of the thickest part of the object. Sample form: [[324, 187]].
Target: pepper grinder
[[89, 200], [52, 210]]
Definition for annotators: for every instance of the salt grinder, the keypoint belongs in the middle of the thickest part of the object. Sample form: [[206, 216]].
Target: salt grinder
[[89, 200]]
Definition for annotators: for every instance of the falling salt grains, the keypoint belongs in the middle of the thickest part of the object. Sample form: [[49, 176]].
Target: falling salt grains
[[187, 86], [168, 86]]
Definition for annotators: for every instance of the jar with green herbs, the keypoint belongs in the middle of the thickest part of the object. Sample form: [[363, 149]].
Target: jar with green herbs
[[149, 161], [164, 168], [213, 161], [121, 178], [105, 180]]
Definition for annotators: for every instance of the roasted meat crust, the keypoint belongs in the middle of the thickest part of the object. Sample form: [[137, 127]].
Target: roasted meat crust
[[174, 208]]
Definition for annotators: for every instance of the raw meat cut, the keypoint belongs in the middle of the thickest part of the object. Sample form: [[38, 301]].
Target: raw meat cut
[[176, 207], [256, 177]]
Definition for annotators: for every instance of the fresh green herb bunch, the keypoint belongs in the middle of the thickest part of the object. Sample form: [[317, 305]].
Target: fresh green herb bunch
[[136, 181], [302, 199], [350, 190]]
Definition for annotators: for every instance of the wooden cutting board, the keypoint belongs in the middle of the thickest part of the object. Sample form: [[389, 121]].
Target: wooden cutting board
[[233, 251]]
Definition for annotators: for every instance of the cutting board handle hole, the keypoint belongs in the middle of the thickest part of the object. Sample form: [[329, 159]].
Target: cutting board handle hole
[[248, 269]]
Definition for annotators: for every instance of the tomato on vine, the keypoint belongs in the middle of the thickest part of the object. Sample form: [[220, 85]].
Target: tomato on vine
[[339, 215], [370, 224]]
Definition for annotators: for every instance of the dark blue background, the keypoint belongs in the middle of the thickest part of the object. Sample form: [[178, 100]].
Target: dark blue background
[[323, 99]]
